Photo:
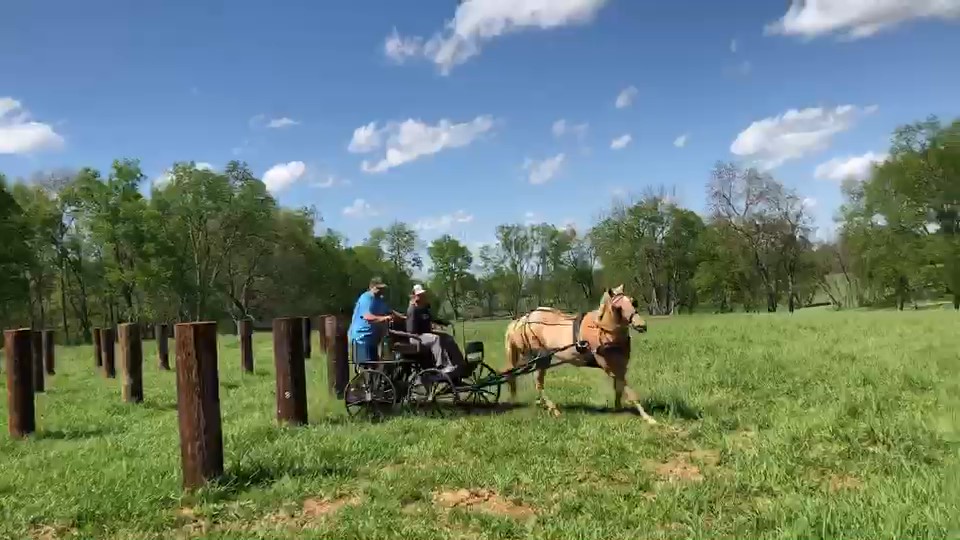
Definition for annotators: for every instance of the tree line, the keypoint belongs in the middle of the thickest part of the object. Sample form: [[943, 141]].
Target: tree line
[[80, 249]]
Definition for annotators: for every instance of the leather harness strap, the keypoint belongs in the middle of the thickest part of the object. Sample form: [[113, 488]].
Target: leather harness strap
[[587, 354]]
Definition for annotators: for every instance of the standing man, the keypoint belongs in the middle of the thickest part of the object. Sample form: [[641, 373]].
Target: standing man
[[371, 314]]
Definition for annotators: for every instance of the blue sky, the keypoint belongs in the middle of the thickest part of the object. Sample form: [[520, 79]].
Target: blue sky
[[82, 83]]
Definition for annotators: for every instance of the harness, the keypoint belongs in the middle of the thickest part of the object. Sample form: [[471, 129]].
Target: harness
[[582, 347]]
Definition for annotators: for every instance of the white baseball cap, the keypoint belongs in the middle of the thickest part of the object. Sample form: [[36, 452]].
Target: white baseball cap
[[418, 289]]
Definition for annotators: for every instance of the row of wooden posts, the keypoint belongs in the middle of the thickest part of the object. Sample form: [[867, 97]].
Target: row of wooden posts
[[30, 353]]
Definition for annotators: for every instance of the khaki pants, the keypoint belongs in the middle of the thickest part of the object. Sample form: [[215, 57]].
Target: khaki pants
[[443, 347]]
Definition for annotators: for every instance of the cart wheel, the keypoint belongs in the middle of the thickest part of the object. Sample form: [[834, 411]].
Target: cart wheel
[[479, 394], [369, 393], [433, 393]]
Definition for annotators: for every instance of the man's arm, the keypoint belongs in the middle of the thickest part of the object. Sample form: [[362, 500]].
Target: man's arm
[[366, 309], [411, 319]]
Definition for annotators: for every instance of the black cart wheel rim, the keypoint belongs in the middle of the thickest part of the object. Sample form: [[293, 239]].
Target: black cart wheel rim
[[481, 395], [433, 393], [369, 393]]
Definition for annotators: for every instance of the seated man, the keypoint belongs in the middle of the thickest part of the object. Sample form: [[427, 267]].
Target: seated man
[[420, 321], [368, 325]]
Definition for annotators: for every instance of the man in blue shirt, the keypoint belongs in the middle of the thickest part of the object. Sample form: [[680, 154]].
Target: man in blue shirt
[[368, 325]]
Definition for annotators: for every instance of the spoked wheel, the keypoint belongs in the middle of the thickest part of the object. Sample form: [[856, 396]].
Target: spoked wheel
[[370, 393], [480, 393], [433, 393]]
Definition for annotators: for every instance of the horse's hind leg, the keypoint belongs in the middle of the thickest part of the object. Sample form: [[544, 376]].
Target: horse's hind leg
[[513, 359], [542, 396]]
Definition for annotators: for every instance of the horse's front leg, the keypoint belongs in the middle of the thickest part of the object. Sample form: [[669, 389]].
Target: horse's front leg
[[542, 396], [617, 369]]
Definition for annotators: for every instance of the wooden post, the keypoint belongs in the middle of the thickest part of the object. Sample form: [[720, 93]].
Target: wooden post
[[322, 333], [338, 370], [108, 350], [48, 352], [36, 348], [307, 335], [291, 374], [198, 402], [18, 346], [245, 329], [131, 362], [163, 351], [97, 348]]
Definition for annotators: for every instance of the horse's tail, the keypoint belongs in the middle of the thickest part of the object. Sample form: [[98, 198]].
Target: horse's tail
[[512, 352]]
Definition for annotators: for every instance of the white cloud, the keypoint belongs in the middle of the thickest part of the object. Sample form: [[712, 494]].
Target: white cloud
[[626, 96], [562, 127], [283, 175], [841, 168], [541, 172], [329, 181], [412, 139], [167, 175], [680, 141], [621, 142], [734, 46], [365, 139], [794, 134], [398, 48], [20, 135], [282, 123], [478, 21], [261, 121], [857, 19], [808, 203], [360, 208], [444, 222]]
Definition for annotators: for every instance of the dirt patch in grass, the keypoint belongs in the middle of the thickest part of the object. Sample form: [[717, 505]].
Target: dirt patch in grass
[[51, 532], [834, 482], [311, 514], [484, 500], [685, 467]]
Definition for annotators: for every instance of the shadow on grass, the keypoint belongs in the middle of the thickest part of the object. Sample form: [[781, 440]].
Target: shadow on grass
[[159, 406], [245, 476], [673, 406], [70, 434]]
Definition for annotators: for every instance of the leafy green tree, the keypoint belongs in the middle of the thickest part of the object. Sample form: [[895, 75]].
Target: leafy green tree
[[14, 256], [451, 266]]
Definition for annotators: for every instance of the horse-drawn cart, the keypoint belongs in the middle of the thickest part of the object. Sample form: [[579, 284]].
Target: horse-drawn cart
[[411, 380]]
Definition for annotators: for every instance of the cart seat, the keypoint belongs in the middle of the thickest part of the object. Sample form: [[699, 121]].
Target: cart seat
[[407, 349]]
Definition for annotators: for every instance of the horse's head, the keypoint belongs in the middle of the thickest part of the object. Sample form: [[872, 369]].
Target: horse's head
[[621, 309]]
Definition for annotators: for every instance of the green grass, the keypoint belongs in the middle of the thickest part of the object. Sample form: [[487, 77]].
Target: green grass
[[816, 425]]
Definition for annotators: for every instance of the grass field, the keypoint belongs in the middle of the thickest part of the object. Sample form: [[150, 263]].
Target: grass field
[[817, 425]]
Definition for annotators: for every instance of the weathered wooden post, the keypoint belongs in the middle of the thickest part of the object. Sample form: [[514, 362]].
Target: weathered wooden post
[[338, 369], [322, 333], [131, 362], [18, 346], [36, 349], [108, 350], [291, 373], [198, 402], [48, 352], [245, 329], [307, 336], [97, 348], [163, 350]]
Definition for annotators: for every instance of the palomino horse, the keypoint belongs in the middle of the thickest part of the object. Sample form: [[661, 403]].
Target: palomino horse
[[604, 336]]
